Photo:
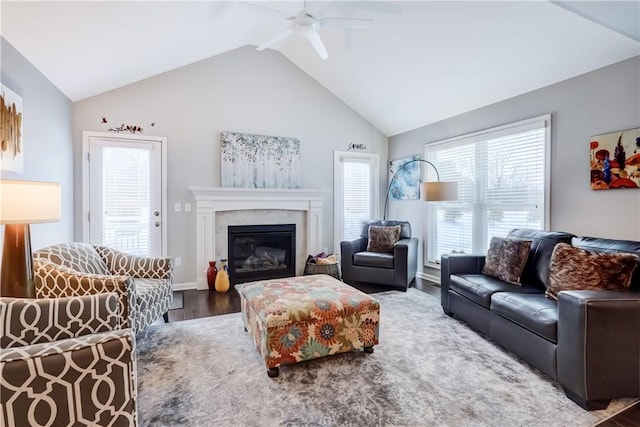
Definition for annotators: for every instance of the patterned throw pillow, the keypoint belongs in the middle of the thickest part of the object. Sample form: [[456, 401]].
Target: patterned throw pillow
[[382, 238], [578, 269], [506, 259]]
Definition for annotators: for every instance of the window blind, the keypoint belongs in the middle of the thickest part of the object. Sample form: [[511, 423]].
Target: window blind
[[501, 177]]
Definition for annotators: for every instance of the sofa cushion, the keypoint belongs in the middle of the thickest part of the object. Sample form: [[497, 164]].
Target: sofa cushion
[[536, 270], [479, 288], [506, 259], [382, 238], [373, 259], [77, 256], [575, 268], [611, 245], [531, 311], [405, 227]]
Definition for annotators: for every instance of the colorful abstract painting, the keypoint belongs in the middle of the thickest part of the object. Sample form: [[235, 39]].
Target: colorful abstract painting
[[12, 153], [406, 185], [259, 161], [615, 160]]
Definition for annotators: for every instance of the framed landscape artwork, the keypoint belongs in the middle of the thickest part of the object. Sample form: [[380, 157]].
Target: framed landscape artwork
[[406, 186], [12, 153], [259, 161], [615, 160]]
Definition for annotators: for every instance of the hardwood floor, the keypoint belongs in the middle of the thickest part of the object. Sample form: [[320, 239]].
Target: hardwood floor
[[194, 304], [628, 418]]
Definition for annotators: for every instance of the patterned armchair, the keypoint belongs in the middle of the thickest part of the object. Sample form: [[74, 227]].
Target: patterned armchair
[[65, 361], [143, 284]]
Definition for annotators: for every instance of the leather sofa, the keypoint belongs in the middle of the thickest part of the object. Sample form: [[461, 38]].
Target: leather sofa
[[587, 340], [397, 269]]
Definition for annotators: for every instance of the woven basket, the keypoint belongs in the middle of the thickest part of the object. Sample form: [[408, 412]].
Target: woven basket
[[330, 269]]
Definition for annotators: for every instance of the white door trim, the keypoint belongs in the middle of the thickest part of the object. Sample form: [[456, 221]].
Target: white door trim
[[86, 135]]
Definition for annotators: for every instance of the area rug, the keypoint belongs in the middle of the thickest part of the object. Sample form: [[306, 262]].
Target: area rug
[[428, 370]]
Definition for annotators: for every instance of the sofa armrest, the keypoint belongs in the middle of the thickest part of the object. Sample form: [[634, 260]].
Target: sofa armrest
[[456, 264], [598, 345], [32, 321], [405, 254], [347, 249], [64, 381], [55, 281], [123, 264]]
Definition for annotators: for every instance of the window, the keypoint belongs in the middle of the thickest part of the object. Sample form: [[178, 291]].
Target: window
[[502, 176], [355, 192]]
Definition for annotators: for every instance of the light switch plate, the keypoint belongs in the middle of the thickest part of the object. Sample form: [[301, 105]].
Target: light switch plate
[[187, 207], [177, 207]]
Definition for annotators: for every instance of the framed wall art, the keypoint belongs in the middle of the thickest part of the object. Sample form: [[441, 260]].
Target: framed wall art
[[259, 161], [615, 160], [406, 186], [11, 115]]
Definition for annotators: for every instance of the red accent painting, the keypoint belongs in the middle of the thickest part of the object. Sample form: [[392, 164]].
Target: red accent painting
[[615, 160]]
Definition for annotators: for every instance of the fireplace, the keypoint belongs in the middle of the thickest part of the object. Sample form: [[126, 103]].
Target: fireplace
[[258, 252]]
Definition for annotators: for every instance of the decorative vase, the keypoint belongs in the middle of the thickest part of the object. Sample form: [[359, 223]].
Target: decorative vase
[[212, 271], [222, 278]]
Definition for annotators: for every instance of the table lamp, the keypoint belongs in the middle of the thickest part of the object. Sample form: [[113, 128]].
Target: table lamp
[[23, 203]]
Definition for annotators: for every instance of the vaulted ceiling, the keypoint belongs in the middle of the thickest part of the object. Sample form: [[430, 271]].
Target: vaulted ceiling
[[420, 61]]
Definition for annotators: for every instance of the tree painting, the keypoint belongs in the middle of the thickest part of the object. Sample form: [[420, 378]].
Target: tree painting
[[615, 160], [259, 161]]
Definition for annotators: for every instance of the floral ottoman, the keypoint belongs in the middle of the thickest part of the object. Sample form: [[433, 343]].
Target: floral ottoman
[[308, 317]]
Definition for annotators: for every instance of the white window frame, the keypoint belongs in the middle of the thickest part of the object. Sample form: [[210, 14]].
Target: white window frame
[[338, 188], [495, 132], [86, 135]]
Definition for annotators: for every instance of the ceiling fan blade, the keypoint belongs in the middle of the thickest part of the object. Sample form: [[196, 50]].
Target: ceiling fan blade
[[346, 22], [282, 12], [273, 40], [316, 42]]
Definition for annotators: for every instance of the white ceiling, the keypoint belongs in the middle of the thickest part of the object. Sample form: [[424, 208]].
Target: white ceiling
[[422, 61]]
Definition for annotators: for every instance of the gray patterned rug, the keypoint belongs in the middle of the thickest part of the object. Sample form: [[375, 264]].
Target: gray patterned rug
[[428, 370]]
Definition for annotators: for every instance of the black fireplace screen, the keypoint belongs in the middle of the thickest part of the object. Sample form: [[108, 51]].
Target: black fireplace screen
[[258, 252]]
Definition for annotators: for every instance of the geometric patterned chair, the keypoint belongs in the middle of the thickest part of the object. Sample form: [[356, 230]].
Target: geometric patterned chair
[[65, 361], [143, 285]]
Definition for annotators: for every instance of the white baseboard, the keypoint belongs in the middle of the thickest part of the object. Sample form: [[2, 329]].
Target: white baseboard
[[185, 286], [429, 277]]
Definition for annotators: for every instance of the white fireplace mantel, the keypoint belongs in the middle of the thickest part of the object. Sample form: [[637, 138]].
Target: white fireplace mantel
[[210, 200]]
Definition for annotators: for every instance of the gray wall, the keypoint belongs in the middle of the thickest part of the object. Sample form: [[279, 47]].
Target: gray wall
[[244, 91], [601, 101], [46, 137]]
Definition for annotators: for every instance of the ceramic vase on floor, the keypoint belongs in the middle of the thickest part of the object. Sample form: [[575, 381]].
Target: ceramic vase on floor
[[222, 278], [212, 272]]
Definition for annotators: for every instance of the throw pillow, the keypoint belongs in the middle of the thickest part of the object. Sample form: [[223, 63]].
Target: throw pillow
[[506, 259], [382, 238], [578, 269]]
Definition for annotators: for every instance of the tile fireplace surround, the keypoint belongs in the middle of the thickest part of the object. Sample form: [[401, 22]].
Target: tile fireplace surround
[[212, 200]]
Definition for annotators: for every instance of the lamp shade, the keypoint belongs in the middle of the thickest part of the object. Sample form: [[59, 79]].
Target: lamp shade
[[29, 202], [439, 191]]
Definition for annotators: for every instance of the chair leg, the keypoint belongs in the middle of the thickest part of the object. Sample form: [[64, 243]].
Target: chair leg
[[165, 316]]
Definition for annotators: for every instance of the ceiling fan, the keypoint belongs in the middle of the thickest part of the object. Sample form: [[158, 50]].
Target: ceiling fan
[[307, 25]]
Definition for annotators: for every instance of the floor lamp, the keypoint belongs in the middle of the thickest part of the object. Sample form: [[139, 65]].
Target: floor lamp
[[23, 203], [432, 191]]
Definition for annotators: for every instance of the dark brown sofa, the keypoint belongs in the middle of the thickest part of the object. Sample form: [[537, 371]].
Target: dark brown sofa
[[588, 341]]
